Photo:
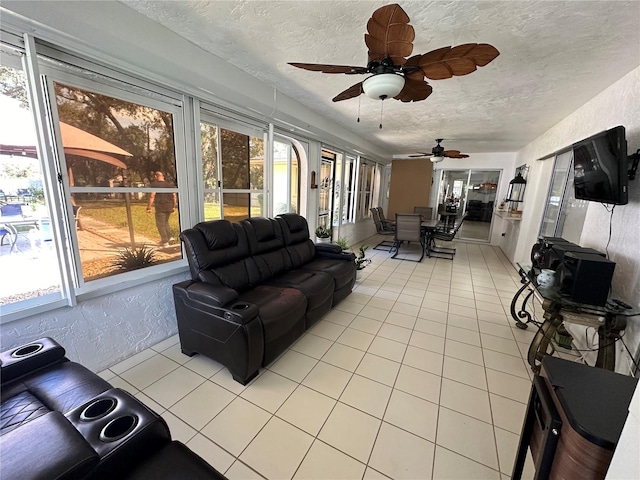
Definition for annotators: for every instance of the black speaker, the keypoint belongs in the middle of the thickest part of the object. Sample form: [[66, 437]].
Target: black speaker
[[555, 255], [585, 277], [540, 250]]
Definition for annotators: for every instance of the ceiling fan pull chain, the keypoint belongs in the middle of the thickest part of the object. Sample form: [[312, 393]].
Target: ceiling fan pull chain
[[358, 120], [381, 110]]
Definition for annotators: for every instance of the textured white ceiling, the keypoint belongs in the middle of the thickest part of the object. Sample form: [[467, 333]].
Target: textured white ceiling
[[554, 57]]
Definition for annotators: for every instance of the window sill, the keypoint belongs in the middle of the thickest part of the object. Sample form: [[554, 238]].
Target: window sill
[[94, 290]]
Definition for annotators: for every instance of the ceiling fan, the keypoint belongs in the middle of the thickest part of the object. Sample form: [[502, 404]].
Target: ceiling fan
[[438, 153], [390, 42]]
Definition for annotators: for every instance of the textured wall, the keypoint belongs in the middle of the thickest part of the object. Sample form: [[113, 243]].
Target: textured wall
[[617, 105], [410, 185], [105, 330]]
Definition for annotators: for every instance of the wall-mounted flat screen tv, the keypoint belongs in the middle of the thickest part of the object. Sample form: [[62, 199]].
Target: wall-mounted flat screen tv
[[600, 167]]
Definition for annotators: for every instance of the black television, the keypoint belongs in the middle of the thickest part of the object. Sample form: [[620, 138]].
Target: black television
[[600, 167]]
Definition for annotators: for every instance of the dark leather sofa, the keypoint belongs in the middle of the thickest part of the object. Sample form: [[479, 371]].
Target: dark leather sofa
[[58, 420], [256, 287]]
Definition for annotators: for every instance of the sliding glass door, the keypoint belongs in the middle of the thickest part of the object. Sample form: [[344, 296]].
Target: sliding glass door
[[470, 192]]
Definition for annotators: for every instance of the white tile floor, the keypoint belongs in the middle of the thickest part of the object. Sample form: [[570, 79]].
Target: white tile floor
[[418, 374]]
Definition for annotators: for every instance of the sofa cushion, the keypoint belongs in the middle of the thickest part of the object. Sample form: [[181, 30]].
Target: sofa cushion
[[318, 287], [19, 409], [173, 461], [273, 263], [48, 447], [295, 234], [61, 387], [340, 271], [268, 256], [280, 308], [217, 252]]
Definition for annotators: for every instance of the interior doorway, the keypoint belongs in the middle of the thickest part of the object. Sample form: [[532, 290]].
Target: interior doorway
[[471, 192]]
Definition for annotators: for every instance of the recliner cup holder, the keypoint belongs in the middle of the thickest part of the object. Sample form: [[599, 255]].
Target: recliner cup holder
[[98, 409], [118, 428], [27, 350], [240, 306]]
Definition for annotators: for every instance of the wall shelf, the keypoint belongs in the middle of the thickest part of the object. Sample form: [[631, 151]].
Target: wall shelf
[[507, 216]]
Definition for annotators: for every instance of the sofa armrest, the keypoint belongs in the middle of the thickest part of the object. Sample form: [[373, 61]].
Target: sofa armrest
[[232, 335], [218, 296], [328, 247], [47, 447], [345, 256], [218, 301], [29, 357]]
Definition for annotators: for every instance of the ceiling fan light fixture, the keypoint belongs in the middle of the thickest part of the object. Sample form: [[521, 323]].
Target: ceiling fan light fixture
[[383, 85], [437, 159]]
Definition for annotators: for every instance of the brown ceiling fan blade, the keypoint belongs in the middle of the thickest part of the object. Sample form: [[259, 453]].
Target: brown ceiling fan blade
[[447, 62], [454, 154], [352, 91], [414, 90], [319, 67], [421, 154], [409, 68], [389, 34]]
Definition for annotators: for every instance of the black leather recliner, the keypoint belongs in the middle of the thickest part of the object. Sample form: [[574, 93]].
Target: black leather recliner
[[256, 287], [61, 421]]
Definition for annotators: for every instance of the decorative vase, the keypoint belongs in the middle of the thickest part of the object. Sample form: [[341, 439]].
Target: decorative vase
[[323, 240], [546, 278]]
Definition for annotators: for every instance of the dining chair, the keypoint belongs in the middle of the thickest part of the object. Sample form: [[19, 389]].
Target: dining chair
[[408, 229], [446, 252], [381, 230], [426, 212], [385, 222]]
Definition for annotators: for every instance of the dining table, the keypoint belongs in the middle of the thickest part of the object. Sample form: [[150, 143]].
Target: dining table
[[428, 228]]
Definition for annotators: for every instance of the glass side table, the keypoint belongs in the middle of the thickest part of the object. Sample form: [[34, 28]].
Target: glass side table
[[609, 320]]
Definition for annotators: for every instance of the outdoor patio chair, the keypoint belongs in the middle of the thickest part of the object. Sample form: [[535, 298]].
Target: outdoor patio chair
[[5, 232], [11, 209], [76, 217], [437, 251], [381, 230], [408, 229]]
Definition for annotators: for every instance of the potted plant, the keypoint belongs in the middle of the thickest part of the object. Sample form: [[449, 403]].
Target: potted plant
[[323, 234], [361, 259], [343, 244]]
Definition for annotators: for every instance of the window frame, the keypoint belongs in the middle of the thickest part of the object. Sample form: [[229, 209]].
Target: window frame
[[42, 64], [209, 117]]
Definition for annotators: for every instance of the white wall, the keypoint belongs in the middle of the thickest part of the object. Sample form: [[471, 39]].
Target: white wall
[[103, 331], [617, 105]]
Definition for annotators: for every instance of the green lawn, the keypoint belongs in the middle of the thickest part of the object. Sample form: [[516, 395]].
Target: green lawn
[[114, 212]]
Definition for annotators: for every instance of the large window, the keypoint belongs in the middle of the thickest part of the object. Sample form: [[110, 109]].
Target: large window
[[326, 188], [115, 151], [366, 184], [286, 177], [349, 189], [27, 244], [90, 185], [233, 171]]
